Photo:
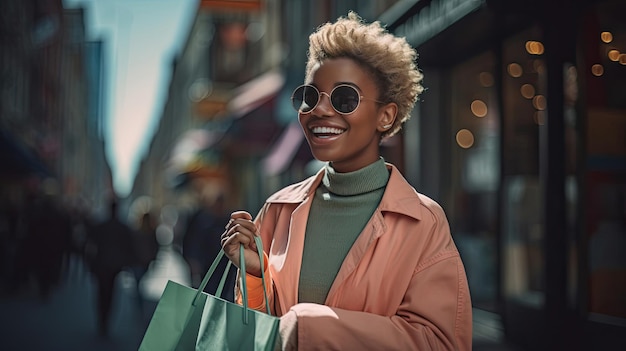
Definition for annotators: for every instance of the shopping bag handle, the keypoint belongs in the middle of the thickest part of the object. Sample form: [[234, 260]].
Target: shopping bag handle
[[244, 288], [244, 291]]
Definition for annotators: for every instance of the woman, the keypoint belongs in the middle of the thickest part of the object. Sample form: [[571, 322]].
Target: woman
[[357, 259]]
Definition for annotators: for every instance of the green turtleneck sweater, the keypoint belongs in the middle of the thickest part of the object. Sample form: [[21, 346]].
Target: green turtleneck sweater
[[343, 204]]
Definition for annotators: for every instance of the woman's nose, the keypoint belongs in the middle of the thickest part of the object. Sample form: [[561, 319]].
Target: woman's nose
[[325, 106]]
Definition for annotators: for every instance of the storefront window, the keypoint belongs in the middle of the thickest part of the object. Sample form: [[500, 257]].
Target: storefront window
[[524, 101], [604, 208], [475, 174]]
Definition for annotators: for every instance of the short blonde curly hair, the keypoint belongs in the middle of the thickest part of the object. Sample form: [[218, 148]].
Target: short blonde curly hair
[[391, 60]]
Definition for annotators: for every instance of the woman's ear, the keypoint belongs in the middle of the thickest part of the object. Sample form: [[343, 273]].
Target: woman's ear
[[387, 116]]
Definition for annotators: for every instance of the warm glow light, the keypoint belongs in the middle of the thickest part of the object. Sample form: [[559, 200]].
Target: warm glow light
[[622, 59], [606, 37], [515, 70], [527, 91], [613, 55], [597, 70], [539, 117], [465, 138], [539, 102], [486, 79], [534, 47], [479, 108]]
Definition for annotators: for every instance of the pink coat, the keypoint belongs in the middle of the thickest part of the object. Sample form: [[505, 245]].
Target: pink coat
[[402, 285]]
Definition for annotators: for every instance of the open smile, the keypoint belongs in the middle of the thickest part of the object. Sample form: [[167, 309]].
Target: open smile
[[326, 132]]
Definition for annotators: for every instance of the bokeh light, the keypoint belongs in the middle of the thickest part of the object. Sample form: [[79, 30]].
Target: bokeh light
[[515, 70], [534, 47], [527, 91], [539, 102], [597, 70], [479, 108], [465, 138]]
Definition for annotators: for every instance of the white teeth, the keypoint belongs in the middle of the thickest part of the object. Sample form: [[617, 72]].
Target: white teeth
[[326, 130]]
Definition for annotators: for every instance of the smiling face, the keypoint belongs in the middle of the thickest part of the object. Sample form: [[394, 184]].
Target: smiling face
[[350, 142]]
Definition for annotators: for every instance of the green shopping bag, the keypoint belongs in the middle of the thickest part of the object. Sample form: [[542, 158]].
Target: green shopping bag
[[190, 319]]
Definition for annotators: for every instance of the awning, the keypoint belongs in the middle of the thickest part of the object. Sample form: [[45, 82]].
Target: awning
[[226, 102], [247, 126], [251, 116], [188, 156], [255, 93], [284, 150]]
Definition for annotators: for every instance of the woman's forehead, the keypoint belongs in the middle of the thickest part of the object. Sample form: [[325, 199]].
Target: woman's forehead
[[338, 70]]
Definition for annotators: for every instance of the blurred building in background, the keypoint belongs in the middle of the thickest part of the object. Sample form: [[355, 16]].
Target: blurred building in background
[[84, 171], [520, 136], [50, 106]]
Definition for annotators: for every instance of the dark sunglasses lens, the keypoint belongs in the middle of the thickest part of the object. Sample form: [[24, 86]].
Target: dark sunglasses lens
[[304, 98], [345, 99]]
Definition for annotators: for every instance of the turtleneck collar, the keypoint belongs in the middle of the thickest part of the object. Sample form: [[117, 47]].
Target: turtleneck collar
[[366, 179]]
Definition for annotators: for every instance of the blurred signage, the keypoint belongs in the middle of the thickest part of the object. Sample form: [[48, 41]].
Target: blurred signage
[[208, 108], [231, 5], [434, 18]]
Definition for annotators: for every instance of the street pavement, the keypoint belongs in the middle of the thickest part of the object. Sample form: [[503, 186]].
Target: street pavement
[[67, 319]]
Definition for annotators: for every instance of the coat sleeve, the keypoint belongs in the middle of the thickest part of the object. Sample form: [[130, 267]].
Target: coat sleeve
[[432, 317]]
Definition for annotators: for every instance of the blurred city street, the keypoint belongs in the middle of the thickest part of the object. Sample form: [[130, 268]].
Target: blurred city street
[[67, 319]]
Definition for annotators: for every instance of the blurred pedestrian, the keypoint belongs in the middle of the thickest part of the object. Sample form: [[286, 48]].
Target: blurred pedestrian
[[201, 242], [357, 259], [146, 248], [81, 221], [47, 237], [109, 250]]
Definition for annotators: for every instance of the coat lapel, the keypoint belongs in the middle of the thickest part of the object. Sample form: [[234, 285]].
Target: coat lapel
[[373, 230]]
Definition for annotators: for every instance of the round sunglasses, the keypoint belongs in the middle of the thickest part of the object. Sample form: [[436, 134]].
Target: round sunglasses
[[344, 98]]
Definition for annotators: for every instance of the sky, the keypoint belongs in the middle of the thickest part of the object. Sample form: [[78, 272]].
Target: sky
[[141, 39]]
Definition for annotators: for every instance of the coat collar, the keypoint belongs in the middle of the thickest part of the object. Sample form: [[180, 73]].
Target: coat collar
[[399, 197]]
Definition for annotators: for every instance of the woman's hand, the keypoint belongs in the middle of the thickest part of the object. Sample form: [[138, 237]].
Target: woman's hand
[[241, 230]]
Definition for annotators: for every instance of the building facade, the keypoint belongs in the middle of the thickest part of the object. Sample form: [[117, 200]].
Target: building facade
[[50, 104], [520, 136]]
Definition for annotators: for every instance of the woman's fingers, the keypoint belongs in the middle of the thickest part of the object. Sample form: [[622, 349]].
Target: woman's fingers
[[239, 234], [241, 226], [233, 238], [240, 230], [240, 215]]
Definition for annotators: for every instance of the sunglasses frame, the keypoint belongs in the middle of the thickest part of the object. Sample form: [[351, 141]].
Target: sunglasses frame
[[319, 98]]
